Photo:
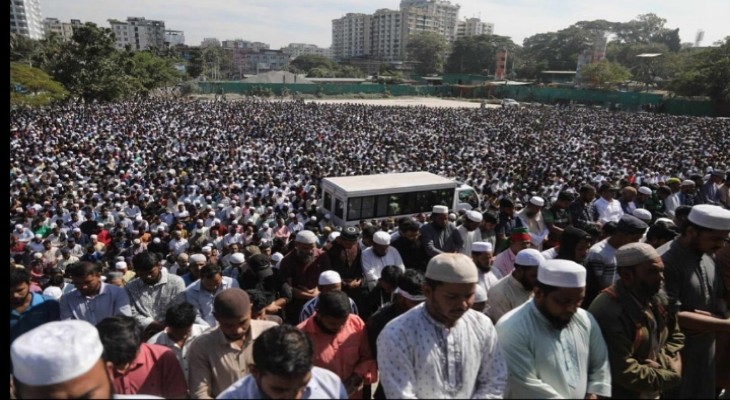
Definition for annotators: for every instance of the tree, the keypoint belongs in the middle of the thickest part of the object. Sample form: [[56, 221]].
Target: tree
[[150, 71], [428, 50], [477, 54], [604, 72], [707, 73], [195, 65], [306, 62], [32, 86], [90, 67]]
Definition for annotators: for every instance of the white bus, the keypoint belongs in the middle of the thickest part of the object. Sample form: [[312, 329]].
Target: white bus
[[350, 199]]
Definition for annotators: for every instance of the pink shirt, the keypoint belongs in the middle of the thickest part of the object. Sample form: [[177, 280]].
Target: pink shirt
[[155, 372], [344, 353], [504, 263]]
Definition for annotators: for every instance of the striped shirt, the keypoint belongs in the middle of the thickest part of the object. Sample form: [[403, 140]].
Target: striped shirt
[[109, 302], [311, 306], [150, 302]]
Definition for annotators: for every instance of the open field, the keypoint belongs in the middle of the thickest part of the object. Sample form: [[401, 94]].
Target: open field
[[407, 101]]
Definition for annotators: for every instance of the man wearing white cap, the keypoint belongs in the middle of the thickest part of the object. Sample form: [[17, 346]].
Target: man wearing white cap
[[197, 261], [640, 329], [61, 360], [300, 269], [443, 348], [469, 230], [514, 290], [554, 348], [377, 256], [440, 235], [531, 218], [329, 281], [481, 254], [695, 284]]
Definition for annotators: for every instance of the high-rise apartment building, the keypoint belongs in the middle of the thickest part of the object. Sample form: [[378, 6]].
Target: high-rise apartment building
[[139, 33], [174, 38], [295, 50], [351, 36], [431, 15], [387, 32], [474, 27], [63, 30], [26, 19]]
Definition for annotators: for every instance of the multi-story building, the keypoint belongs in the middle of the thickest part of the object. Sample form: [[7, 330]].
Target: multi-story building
[[244, 45], [386, 34], [474, 27], [26, 19], [139, 33], [295, 50], [431, 15], [264, 60], [351, 36], [63, 30], [174, 38]]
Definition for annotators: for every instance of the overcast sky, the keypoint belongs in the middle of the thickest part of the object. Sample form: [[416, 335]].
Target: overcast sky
[[279, 22]]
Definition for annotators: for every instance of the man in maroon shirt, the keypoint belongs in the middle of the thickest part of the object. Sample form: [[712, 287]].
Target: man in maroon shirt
[[140, 368]]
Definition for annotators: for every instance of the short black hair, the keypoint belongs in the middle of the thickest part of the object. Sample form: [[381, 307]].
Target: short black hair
[[412, 281], [390, 274], [662, 230], [609, 228], [121, 336], [83, 268], [489, 217], [145, 261], [586, 189], [284, 351], [180, 315], [409, 226], [664, 189], [368, 231], [334, 304], [18, 276], [682, 212], [258, 300], [210, 271]]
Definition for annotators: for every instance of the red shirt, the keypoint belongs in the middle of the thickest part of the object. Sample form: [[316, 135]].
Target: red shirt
[[345, 353], [155, 371]]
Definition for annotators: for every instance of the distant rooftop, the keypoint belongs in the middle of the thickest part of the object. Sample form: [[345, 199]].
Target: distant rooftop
[[559, 72]]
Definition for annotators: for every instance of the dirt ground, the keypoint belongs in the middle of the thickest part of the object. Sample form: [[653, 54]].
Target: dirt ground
[[408, 101]]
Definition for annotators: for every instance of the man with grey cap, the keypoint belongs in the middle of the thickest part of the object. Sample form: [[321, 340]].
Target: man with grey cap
[[601, 261], [695, 284], [554, 348], [640, 328], [442, 348], [61, 359], [300, 269], [440, 235], [514, 290]]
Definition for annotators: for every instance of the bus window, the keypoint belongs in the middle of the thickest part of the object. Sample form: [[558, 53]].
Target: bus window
[[353, 208], [340, 209], [368, 207], [469, 196], [423, 202], [381, 206], [328, 201]]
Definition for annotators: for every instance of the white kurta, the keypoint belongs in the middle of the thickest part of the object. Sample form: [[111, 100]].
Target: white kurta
[[468, 238], [505, 296], [420, 358], [373, 264], [546, 363]]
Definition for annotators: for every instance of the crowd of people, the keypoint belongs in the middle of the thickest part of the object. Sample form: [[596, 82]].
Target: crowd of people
[[178, 249]]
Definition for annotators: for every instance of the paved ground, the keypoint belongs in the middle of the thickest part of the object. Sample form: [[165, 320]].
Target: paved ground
[[408, 101]]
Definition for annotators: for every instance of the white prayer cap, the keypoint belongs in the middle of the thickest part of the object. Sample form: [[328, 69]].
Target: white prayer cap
[[55, 352], [38, 255], [382, 238], [332, 236], [196, 258], [710, 217], [199, 221], [77, 229], [138, 218], [94, 237], [292, 215], [645, 190], [18, 226], [211, 214], [642, 214], [688, 182], [237, 258], [313, 218], [452, 268], [306, 237], [276, 257], [480, 295], [634, 254], [120, 265], [156, 240], [137, 241], [665, 220], [481, 247], [561, 273], [329, 278], [473, 215], [529, 258], [537, 201], [38, 236], [206, 249], [54, 292], [440, 210]]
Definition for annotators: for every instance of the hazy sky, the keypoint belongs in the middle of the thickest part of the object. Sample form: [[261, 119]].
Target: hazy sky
[[279, 22]]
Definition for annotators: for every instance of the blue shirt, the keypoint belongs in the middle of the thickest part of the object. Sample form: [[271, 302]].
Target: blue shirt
[[109, 302], [323, 385], [41, 309]]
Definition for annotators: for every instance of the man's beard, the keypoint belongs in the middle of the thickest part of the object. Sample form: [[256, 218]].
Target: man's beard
[[324, 328], [557, 323], [306, 258], [484, 268]]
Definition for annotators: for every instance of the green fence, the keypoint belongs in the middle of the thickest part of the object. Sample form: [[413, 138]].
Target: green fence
[[324, 89]]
